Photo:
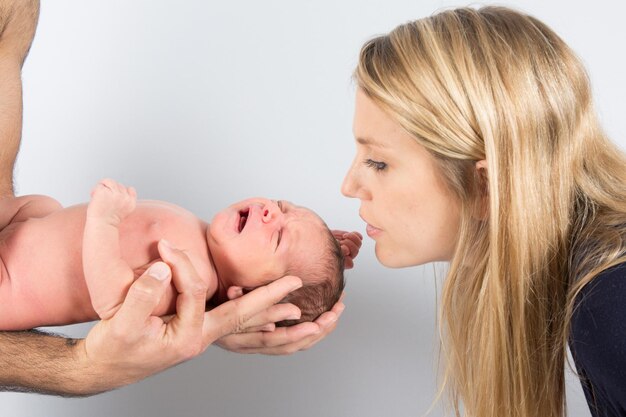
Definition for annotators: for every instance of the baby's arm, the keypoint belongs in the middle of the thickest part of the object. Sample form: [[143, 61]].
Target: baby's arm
[[108, 277]]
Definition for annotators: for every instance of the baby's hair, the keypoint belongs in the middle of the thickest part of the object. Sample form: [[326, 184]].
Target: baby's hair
[[323, 283]]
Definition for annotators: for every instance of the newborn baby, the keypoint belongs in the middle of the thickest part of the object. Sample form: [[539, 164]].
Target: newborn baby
[[75, 264]]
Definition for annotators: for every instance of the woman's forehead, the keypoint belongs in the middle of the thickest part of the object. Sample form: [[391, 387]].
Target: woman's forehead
[[374, 128]]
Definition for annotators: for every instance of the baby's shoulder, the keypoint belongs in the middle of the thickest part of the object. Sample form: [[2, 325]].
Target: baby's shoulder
[[19, 209]]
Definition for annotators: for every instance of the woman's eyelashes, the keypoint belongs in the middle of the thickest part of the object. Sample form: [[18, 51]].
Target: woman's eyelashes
[[376, 165]]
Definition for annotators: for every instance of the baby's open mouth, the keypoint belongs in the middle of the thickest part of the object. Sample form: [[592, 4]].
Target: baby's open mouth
[[243, 218]]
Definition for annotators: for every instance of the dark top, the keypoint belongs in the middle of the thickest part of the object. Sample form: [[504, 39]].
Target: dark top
[[598, 342]]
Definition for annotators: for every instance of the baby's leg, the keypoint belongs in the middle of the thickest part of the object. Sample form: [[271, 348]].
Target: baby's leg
[[108, 276]]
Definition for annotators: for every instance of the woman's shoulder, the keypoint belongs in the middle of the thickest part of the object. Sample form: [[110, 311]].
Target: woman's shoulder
[[598, 337], [598, 296], [600, 307]]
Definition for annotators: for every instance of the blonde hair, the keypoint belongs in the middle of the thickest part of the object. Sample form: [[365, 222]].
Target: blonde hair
[[546, 217]]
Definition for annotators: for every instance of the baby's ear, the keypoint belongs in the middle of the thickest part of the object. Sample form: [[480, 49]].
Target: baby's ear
[[234, 292]]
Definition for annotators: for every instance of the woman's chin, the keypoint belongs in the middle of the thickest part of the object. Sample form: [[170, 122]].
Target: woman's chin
[[388, 258], [396, 259]]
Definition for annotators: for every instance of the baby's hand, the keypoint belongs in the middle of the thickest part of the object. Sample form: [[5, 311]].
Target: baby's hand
[[350, 243], [111, 201]]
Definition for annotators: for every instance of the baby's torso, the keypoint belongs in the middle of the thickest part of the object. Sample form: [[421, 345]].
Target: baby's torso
[[43, 256]]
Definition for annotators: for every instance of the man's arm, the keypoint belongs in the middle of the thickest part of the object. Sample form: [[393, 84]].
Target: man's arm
[[18, 20], [30, 361], [133, 344], [33, 361]]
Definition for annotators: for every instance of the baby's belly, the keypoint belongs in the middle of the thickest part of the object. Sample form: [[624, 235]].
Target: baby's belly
[[45, 283], [43, 259]]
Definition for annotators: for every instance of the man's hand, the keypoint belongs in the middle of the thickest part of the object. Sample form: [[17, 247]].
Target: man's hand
[[282, 340], [134, 344]]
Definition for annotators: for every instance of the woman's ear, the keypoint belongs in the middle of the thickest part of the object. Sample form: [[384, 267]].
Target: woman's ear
[[482, 211], [481, 172], [481, 165]]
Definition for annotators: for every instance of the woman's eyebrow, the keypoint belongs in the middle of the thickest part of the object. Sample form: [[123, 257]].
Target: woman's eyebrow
[[370, 142]]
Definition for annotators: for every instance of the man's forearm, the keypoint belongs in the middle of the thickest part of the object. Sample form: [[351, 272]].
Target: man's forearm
[[32, 361]]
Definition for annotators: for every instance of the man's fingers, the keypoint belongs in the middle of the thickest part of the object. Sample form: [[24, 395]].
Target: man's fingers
[[190, 303], [233, 316], [275, 313], [302, 343], [143, 296], [263, 341], [285, 340], [312, 340], [328, 320], [326, 324], [308, 336], [270, 327]]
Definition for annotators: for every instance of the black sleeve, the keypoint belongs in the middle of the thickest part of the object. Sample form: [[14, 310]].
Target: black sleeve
[[598, 341]]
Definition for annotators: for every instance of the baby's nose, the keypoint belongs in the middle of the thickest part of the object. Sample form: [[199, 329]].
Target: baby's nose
[[267, 215], [270, 214]]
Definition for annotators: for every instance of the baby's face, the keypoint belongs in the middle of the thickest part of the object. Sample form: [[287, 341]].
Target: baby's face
[[258, 240]]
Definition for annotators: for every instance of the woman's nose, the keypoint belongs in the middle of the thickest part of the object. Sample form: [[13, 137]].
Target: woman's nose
[[349, 185]]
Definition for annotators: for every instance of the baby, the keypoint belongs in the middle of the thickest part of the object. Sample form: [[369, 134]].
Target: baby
[[69, 265]]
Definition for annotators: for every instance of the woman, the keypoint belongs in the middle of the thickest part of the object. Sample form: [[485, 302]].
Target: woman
[[477, 144]]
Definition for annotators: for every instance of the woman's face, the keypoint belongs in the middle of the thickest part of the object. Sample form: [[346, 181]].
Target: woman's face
[[409, 212]]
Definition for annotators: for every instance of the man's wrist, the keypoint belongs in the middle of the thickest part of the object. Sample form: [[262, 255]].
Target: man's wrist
[[84, 378]]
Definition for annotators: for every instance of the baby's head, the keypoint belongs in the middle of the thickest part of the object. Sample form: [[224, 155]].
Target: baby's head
[[257, 241]]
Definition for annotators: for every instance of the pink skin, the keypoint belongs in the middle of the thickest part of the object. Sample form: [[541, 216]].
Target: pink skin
[[269, 245], [409, 211]]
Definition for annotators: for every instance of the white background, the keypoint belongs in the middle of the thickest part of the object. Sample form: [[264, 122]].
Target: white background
[[204, 103]]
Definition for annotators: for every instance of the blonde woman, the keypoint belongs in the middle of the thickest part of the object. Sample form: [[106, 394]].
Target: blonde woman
[[477, 144]]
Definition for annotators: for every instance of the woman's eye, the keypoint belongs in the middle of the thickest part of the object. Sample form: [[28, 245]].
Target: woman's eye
[[377, 165]]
